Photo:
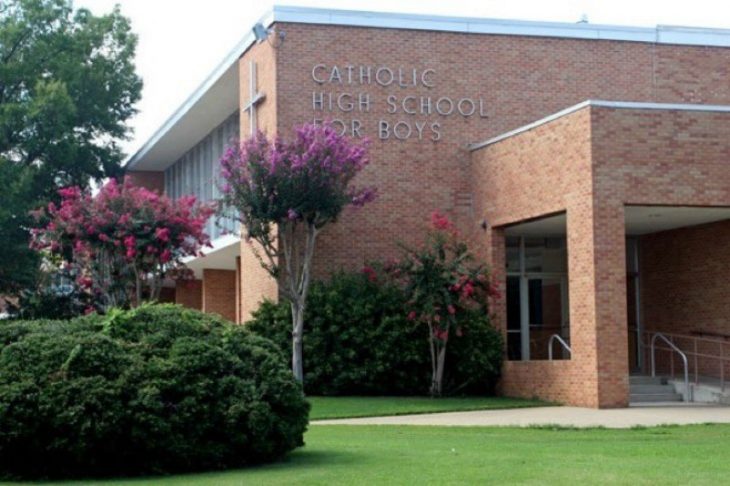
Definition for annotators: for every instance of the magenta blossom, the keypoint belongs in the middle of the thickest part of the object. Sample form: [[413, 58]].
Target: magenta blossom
[[163, 234], [125, 237], [306, 179]]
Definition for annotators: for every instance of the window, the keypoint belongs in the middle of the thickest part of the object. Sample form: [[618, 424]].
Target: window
[[196, 173], [537, 297]]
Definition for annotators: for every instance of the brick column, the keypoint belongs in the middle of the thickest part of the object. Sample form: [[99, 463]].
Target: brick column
[[189, 293], [255, 283], [496, 255], [238, 290], [597, 294], [219, 292]]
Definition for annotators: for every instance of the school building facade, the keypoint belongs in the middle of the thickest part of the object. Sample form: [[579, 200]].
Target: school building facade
[[588, 164]]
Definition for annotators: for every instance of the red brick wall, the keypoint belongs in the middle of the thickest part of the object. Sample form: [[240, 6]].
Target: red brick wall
[[684, 279], [167, 294], [520, 79], [189, 293], [219, 292], [151, 180], [685, 290]]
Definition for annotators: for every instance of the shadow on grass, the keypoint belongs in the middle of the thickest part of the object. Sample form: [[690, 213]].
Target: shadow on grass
[[300, 459], [303, 458]]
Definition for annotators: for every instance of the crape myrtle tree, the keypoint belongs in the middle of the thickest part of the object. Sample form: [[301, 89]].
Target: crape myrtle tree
[[67, 87], [122, 242], [444, 283], [285, 192]]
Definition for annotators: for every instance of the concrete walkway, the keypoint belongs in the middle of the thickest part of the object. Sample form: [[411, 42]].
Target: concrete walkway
[[564, 416]]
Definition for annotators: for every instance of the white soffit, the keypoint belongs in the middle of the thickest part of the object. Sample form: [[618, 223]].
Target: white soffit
[[217, 97], [641, 220]]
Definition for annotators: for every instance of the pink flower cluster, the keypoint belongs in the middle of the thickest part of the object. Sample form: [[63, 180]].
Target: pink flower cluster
[[443, 279], [305, 178], [131, 223], [370, 273]]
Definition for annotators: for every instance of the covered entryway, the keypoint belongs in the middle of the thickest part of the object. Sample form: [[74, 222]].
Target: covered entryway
[[623, 176], [538, 323], [678, 305]]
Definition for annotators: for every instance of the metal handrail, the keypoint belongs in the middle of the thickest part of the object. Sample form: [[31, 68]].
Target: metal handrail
[[560, 340], [658, 335], [722, 357]]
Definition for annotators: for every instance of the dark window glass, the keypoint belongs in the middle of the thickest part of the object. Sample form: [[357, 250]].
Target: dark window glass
[[513, 319]]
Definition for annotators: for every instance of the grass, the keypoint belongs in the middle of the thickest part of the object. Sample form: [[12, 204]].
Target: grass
[[350, 407], [442, 455]]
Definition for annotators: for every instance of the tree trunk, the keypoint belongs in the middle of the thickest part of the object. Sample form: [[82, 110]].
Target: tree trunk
[[297, 313], [438, 372]]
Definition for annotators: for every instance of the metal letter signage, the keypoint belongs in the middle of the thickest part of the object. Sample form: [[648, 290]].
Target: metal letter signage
[[417, 114]]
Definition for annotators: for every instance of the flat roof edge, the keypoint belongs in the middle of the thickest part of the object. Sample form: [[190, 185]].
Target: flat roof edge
[[662, 34], [633, 105]]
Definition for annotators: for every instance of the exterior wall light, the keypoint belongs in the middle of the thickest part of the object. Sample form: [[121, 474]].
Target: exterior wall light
[[261, 34]]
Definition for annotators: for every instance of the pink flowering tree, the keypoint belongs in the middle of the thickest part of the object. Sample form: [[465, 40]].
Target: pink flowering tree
[[124, 241], [285, 192], [444, 282]]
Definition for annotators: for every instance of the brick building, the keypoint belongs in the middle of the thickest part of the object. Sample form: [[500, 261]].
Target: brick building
[[604, 222]]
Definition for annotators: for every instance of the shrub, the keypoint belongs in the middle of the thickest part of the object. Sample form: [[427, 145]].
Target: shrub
[[445, 284], [158, 389], [358, 341], [475, 357]]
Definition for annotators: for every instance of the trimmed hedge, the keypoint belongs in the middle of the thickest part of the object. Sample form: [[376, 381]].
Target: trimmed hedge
[[357, 341], [158, 389]]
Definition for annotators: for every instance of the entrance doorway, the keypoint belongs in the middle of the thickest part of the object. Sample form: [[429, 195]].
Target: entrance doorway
[[537, 297], [675, 246]]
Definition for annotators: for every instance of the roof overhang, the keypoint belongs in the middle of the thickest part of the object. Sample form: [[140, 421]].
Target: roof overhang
[[220, 256], [217, 97], [206, 108]]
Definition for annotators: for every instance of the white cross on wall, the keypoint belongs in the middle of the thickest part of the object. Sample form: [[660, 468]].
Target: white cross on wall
[[254, 98]]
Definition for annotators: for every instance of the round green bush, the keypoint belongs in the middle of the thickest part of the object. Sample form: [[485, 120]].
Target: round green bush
[[358, 341], [158, 389]]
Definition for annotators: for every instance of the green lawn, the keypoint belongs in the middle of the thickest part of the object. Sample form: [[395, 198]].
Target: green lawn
[[346, 407], [441, 455]]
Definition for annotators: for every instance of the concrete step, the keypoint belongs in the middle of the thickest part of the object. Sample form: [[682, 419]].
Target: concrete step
[[651, 388], [647, 380], [655, 397]]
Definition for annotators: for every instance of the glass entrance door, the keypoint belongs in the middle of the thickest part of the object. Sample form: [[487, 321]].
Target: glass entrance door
[[537, 297]]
